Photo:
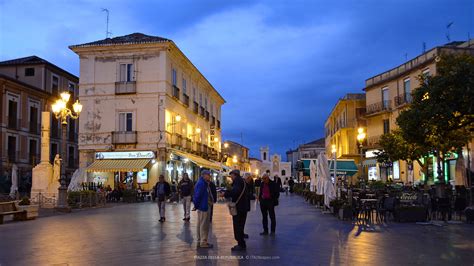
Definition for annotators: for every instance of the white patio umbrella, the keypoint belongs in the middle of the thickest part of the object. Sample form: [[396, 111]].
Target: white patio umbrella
[[329, 191], [319, 179], [78, 177], [14, 187], [312, 174], [460, 179]]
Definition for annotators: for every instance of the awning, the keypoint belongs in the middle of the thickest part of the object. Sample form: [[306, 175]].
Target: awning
[[306, 163], [344, 167], [129, 165], [198, 160]]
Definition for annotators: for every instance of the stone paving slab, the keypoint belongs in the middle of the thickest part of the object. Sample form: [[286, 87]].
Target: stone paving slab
[[130, 234]]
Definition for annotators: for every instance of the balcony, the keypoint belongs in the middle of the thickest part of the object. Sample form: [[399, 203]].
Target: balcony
[[379, 107], [196, 108], [186, 99], [203, 112], [125, 87], [403, 99], [176, 140], [189, 144], [373, 141], [218, 124], [124, 137], [213, 121], [207, 115], [14, 123], [175, 92]]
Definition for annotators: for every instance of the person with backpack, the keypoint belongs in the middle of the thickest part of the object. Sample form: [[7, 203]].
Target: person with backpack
[[185, 188], [162, 191]]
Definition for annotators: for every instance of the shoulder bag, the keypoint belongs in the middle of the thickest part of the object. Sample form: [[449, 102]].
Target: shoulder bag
[[233, 205]]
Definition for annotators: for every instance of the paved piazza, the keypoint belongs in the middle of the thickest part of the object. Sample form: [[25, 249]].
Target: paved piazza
[[130, 234]]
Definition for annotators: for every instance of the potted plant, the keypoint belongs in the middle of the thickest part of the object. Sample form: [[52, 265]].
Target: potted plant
[[31, 210]]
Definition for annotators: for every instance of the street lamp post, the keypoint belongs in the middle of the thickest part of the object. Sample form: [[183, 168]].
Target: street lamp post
[[360, 138], [62, 112]]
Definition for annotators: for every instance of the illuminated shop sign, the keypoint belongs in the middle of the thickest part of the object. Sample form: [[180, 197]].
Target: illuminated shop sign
[[125, 155]]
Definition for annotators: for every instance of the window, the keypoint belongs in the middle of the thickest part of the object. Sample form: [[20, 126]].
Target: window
[[184, 87], [264, 156], [72, 130], [11, 148], [32, 152], [406, 86], [71, 157], [12, 111], [283, 172], [386, 126], [125, 122], [33, 118], [29, 71], [126, 72], [385, 98], [72, 90], [173, 77], [426, 74], [55, 85]]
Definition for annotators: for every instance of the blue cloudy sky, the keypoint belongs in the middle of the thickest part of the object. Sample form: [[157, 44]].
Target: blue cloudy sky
[[281, 65]]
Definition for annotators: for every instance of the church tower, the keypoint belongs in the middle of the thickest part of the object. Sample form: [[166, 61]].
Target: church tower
[[265, 154]]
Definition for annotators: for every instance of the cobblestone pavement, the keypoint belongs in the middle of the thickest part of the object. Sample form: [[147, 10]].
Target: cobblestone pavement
[[130, 234]]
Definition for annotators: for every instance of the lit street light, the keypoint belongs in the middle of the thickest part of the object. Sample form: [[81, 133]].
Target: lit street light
[[62, 112], [360, 138]]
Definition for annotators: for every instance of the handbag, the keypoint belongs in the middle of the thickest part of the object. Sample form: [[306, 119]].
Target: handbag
[[233, 205]]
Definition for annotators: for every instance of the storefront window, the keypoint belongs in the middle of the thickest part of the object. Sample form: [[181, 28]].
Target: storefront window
[[373, 173], [142, 176], [396, 170]]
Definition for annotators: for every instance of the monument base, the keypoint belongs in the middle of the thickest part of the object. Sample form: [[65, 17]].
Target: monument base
[[44, 190]]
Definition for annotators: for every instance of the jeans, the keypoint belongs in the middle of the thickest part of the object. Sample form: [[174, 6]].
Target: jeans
[[202, 227], [161, 208], [267, 207], [187, 206], [238, 222]]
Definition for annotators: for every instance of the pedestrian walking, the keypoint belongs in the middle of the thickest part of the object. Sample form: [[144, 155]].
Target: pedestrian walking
[[286, 186], [213, 190], [185, 188], [202, 199], [162, 191], [291, 183], [269, 194], [242, 204]]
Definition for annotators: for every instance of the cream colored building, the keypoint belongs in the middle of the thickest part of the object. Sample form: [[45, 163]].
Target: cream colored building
[[389, 93], [141, 94], [236, 156]]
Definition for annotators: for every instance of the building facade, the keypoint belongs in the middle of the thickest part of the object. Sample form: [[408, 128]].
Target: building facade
[[236, 156], [387, 94], [342, 124], [28, 87], [308, 150], [142, 95], [273, 164]]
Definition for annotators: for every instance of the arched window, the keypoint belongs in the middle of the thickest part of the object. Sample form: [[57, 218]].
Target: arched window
[[283, 173], [264, 156]]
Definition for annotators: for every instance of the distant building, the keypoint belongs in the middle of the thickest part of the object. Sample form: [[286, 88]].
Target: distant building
[[390, 92], [273, 164], [28, 87], [236, 156], [147, 111], [306, 151]]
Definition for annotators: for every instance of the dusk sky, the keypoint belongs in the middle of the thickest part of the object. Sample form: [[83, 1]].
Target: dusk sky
[[280, 65]]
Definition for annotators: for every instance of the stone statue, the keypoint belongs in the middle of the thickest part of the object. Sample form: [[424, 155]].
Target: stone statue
[[14, 187], [57, 168]]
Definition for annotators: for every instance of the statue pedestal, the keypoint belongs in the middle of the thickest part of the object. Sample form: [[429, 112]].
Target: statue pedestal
[[44, 190]]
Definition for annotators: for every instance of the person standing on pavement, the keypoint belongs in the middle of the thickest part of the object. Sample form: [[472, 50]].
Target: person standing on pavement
[[269, 194], [291, 183], [213, 191], [286, 186], [185, 188], [258, 182], [162, 191], [242, 205], [202, 199], [277, 180]]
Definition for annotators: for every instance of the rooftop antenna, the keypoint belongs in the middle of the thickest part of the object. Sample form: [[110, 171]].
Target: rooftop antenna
[[107, 32], [447, 30], [424, 47]]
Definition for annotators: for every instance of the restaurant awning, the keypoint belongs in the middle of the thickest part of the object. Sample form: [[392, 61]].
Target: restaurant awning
[[306, 163], [198, 160], [129, 165], [343, 167]]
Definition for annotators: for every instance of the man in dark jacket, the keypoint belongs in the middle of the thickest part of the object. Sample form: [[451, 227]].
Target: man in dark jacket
[[162, 191], [185, 188], [242, 205], [269, 194]]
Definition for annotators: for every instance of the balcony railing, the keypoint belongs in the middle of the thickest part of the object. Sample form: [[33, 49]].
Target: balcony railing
[[186, 99], [124, 137], [218, 124], [207, 115], [196, 108], [14, 123], [373, 141], [176, 140], [403, 99], [175, 92], [125, 87], [378, 107], [203, 112]]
